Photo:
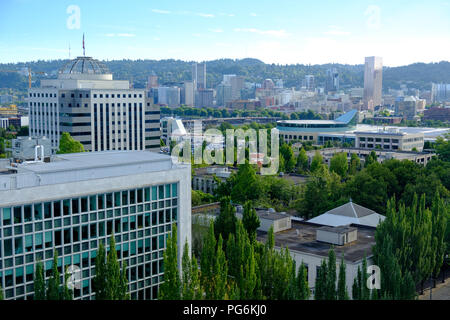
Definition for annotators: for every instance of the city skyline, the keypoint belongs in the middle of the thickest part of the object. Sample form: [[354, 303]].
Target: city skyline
[[287, 33]]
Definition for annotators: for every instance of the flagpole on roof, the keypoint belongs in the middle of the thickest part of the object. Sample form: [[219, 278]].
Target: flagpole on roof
[[84, 54]]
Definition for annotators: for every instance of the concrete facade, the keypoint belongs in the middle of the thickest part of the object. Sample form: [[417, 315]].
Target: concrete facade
[[115, 191]]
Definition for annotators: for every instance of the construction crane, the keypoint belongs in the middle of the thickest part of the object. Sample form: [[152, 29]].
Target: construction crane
[[29, 74]]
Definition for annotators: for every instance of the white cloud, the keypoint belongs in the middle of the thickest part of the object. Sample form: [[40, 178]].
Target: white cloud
[[253, 14], [275, 33], [161, 11], [206, 15], [125, 35], [336, 31], [218, 30]]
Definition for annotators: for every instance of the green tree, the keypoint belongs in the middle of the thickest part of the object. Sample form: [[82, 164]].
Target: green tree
[[170, 289], [54, 282], [116, 284], [220, 273], [39, 282], [339, 164], [371, 158], [110, 280], [250, 220], [302, 161], [208, 256], [342, 293], [1, 293], [191, 289], [67, 144], [67, 293], [226, 221], [100, 277], [316, 162], [331, 276], [288, 156], [302, 281], [320, 290], [247, 185], [355, 164]]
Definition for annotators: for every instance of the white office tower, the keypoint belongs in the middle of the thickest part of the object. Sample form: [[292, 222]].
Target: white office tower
[[188, 93], [373, 82], [236, 83], [99, 112], [199, 75]]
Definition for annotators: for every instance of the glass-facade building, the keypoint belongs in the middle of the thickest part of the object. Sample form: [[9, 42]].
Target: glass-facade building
[[140, 218]]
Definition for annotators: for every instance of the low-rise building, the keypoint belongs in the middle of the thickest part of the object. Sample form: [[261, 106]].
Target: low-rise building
[[440, 114], [382, 155], [310, 243], [391, 139], [349, 213], [204, 178]]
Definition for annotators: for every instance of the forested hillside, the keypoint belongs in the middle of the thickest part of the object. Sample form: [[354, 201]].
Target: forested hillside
[[419, 75]]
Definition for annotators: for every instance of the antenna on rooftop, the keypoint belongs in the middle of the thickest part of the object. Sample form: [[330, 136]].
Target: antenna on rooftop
[[84, 53]]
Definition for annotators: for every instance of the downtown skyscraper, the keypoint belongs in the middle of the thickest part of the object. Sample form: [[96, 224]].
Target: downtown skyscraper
[[373, 82]]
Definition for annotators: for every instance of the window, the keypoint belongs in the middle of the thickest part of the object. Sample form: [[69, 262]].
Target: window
[[17, 214]]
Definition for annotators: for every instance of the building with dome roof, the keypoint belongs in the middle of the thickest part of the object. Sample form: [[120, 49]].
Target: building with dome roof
[[98, 111]]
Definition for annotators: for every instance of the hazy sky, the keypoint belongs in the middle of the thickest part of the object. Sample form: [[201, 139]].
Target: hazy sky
[[275, 31]]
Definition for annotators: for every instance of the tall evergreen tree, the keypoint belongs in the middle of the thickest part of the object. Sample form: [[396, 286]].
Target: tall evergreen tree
[[100, 277], [66, 294], [190, 278], [250, 220], [342, 293], [226, 221], [302, 161], [321, 284], [39, 282], [220, 273], [331, 276], [115, 289], [302, 281], [208, 256], [170, 289], [54, 283]]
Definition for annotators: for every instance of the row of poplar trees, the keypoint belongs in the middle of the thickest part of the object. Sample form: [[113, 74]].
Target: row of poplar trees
[[410, 246], [110, 281], [239, 267]]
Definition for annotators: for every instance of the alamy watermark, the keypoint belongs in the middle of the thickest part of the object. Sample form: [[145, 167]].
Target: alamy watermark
[[220, 149], [74, 20]]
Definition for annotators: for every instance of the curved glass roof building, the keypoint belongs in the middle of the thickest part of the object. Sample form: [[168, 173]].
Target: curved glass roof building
[[343, 123]]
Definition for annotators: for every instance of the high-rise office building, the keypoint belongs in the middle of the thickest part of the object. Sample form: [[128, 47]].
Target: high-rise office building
[[224, 94], [188, 93], [204, 98], [199, 75], [99, 112], [373, 82], [440, 92], [310, 82], [332, 81], [236, 83], [152, 81], [77, 201], [169, 96]]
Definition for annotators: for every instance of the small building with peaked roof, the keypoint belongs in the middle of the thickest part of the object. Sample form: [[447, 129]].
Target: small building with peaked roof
[[349, 213]]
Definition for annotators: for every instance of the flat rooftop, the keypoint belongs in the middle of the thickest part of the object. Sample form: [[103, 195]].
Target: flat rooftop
[[305, 242], [66, 168]]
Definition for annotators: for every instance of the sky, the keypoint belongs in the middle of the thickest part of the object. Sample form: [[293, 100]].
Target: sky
[[282, 31]]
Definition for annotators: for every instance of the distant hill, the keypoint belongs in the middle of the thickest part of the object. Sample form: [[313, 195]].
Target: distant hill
[[418, 75]]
